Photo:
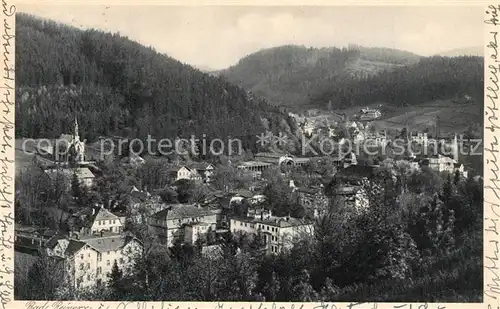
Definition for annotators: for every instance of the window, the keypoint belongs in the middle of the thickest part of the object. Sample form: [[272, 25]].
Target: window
[[81, 266], [81, 256], [98, 270], [268, 228], [88, 255], [109, 253], [99, 257], [88, 277], [121, 261], [88, 265], [107, 262]]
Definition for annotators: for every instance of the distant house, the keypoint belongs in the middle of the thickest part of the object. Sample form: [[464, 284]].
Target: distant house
[[420, 138], [370, 114], [31, 236], [65, 175], [352, 196], [269, 157], [141, 204], [311, 198], [256, 167], [194, 171], [440, 163], [169, 224]]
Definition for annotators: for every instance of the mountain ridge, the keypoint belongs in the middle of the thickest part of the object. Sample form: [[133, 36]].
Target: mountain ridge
[[288, 75]]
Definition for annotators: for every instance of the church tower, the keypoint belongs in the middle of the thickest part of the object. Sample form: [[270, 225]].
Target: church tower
[[76, 134]]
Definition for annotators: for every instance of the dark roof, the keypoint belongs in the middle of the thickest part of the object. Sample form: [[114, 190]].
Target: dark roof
[[358, 171], [180, 211], [53, 241], [108, 243], [73, 247]]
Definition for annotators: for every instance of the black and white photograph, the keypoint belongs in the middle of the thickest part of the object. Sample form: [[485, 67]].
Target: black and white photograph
[[210, 153]]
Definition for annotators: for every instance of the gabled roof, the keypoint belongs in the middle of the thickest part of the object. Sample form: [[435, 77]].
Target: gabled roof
[[73, 247], [87, 216], [104, 214], [54, 240], [180, 211], [109, 243]]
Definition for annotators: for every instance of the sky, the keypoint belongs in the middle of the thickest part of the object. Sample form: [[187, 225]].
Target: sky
[[216, 37]]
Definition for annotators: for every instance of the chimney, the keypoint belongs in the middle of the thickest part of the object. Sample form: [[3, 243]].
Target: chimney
[[291, 184]]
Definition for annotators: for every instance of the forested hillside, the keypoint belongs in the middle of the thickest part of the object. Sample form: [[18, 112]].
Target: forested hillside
[[117, 86], [289, 75], [430, 79]]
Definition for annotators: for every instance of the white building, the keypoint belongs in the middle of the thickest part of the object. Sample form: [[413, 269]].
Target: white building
[[170, 224], [279, 233], [88, 261], [195, 171], [440, 163], [94, 220]]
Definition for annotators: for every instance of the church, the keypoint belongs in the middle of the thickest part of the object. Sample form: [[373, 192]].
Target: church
[[68, 148]]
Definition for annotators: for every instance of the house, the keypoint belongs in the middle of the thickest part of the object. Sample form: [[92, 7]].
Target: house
[[277, 233], [65, 175], [370, 114], [89, 260], [93, 220], [197, 171], [31, 236], [257, 167], [169, 224], [141, 204], [269, 157], [311, 198], [440, 163], [420, 138], [354, 197]]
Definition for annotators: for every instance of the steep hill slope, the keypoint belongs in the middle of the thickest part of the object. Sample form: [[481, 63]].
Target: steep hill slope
[[430, 79], [117, 86], [289, 75]]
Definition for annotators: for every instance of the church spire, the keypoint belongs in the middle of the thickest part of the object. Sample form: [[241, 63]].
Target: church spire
[[75, 133]]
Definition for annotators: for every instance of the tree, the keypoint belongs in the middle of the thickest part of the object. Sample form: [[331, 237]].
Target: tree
[[115, 283], [46, 277], [76, 189], [272, 288]]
